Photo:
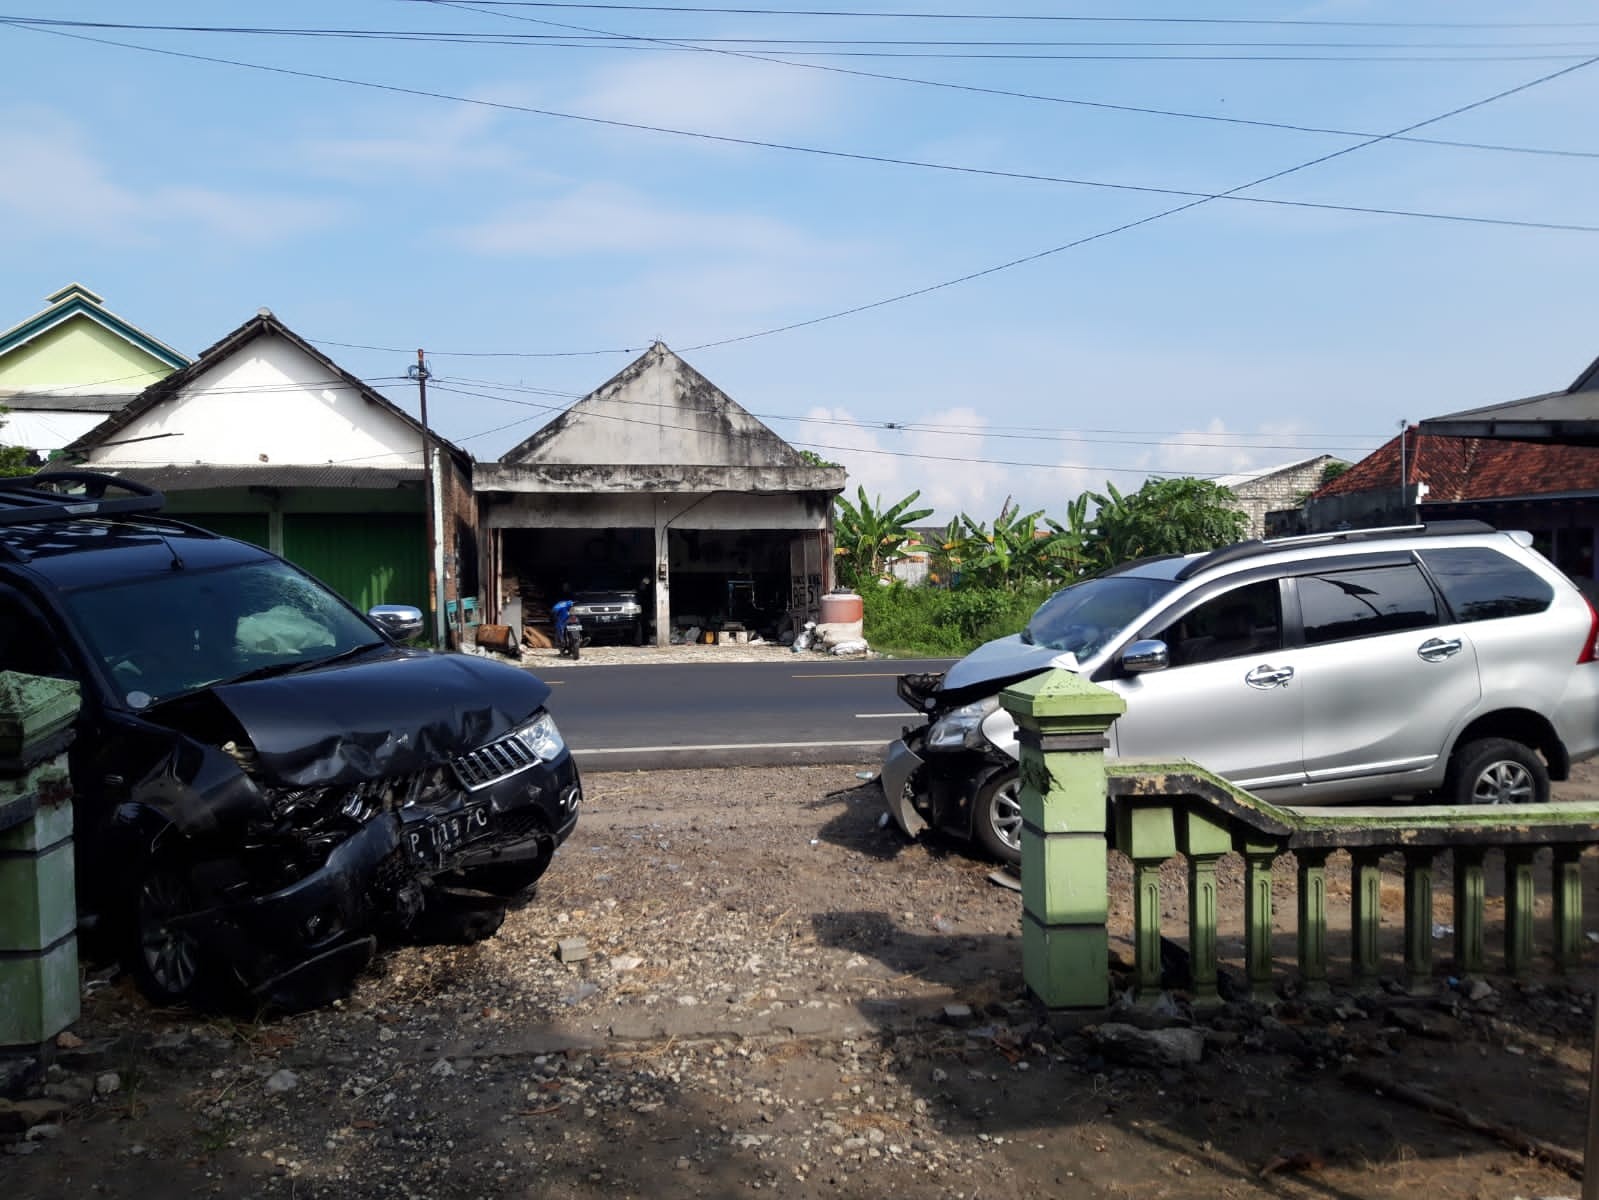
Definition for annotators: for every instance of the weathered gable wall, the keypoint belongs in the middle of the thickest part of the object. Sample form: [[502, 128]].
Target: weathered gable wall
[[657, 410], [269, 403]]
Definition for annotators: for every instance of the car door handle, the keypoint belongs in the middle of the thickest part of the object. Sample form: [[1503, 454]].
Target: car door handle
[[1265, 676], [1438, 649]]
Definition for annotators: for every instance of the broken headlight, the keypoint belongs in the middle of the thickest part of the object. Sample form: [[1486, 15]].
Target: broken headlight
[[541, 737], [961, 728]]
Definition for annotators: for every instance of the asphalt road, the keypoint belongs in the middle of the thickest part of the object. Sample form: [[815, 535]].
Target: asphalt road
[[730, 714]]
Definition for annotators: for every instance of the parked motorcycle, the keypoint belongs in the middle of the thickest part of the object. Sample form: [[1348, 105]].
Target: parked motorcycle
[[568, 630]]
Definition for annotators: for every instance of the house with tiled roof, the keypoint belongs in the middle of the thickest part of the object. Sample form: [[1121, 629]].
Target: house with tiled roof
[[66, 367], [1552, 491]]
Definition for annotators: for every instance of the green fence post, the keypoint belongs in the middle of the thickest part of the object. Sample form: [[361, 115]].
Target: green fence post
[[1365, 902], [1471, 893], [1062, 720], [1202, 842], [1147, 834], [1258, 859], [1312, 918], [1418, 920], [1520, 897], [38, 899], [1568, 906]]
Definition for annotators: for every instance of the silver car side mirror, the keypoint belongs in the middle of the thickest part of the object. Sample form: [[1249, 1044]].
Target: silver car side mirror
[[1149, 654], [401, 622]]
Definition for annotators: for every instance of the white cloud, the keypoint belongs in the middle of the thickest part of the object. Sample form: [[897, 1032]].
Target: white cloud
[[431, 147], [608, 219], [56, 183], [709, 93]]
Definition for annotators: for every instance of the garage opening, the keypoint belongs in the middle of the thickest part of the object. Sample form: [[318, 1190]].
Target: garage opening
[[740, 580]]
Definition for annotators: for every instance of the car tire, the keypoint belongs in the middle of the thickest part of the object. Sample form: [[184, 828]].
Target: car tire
[[997, 815], [171, 965], [1496, 771]]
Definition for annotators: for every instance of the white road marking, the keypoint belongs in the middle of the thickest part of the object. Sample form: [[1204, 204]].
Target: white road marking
[[878, 716], [878, 742], [849, 675]]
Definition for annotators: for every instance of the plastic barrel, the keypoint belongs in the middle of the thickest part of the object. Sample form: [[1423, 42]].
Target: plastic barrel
[[839, 607]]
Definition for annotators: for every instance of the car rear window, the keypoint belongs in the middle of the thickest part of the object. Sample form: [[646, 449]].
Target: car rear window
[[1365, 603], [1482, 584]]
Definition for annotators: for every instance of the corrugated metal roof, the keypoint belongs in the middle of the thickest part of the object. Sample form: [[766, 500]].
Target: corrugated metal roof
[[195, 477]]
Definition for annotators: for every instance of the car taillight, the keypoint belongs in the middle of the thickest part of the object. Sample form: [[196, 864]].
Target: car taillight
[[1589, 654]]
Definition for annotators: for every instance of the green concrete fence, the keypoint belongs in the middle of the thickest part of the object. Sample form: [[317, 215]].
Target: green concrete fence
[[1076, 809], [39, 990]]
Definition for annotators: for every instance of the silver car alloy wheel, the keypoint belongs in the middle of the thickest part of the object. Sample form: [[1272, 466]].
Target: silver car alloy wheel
[[1505, 781], [1005, 813]]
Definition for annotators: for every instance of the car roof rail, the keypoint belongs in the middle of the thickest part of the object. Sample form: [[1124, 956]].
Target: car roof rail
[[72, 495], [1259, 546]]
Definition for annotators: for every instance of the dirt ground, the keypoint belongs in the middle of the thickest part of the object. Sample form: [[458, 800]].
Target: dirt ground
[[781, 996]]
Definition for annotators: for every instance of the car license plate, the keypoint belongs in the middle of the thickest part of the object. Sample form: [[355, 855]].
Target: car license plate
[[431, 840]]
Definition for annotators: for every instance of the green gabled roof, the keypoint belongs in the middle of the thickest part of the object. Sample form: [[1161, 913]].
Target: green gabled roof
[[75, 300]]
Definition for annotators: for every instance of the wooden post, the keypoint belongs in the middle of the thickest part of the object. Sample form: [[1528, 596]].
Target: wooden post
[[1062, 720]]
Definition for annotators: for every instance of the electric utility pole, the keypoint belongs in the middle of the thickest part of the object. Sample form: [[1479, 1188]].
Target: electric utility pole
[[435, 577]]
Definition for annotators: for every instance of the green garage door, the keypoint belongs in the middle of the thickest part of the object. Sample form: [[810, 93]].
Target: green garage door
[[247, 527], [370, 558]]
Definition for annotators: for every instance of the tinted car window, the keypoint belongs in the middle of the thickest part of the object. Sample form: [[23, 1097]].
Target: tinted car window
[[1246, 620], [26, 643], [1481, 584], [1350, 604]]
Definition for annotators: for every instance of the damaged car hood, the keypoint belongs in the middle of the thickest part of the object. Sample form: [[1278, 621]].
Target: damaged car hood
[[390, 714], [1004, 658]]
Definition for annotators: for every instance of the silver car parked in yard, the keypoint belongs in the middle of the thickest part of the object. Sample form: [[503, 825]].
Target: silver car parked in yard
[[1449, 661]]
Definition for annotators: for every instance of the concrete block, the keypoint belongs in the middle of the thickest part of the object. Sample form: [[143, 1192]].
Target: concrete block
[[38, 995]]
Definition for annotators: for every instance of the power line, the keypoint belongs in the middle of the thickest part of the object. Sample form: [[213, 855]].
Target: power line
[[458, 37], [1126, 225], [1128, 437], [1031, 177], [1011, 94], [969, 16], [960, 458]]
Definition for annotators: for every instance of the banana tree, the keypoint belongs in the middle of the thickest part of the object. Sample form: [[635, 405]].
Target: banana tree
[[868, 538]]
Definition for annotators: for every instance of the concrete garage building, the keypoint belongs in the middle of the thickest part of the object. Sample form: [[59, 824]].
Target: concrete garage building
[[658, 481]]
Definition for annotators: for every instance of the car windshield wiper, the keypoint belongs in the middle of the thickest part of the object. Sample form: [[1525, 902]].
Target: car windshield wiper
[[341, 656]]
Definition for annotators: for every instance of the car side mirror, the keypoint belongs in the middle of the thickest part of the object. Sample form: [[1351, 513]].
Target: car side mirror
[[401, 622], [1148, 654]]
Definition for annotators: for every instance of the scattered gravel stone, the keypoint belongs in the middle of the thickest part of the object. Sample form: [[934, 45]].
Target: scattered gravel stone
[[282, 1081]]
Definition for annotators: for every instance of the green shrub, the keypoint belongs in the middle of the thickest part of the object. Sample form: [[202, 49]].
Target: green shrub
[[944, 622]]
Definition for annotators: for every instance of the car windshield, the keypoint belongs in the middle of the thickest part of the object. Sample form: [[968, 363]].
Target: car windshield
[[161, 637], [1086, 616]]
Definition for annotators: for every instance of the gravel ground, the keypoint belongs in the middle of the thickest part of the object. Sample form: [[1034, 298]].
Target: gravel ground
[[766, 991]]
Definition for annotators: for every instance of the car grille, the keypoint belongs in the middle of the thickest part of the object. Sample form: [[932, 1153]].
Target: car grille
[[496, 761]]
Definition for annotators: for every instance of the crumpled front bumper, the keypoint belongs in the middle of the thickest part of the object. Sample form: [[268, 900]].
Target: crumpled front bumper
[[898, 776]]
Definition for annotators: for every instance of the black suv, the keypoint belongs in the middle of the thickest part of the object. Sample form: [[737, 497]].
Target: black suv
[[265, 779]]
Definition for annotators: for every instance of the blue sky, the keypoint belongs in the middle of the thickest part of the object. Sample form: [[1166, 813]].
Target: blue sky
[[1235, 335]]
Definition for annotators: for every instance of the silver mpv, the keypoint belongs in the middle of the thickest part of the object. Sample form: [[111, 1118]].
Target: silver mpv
[[1449, 661]]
